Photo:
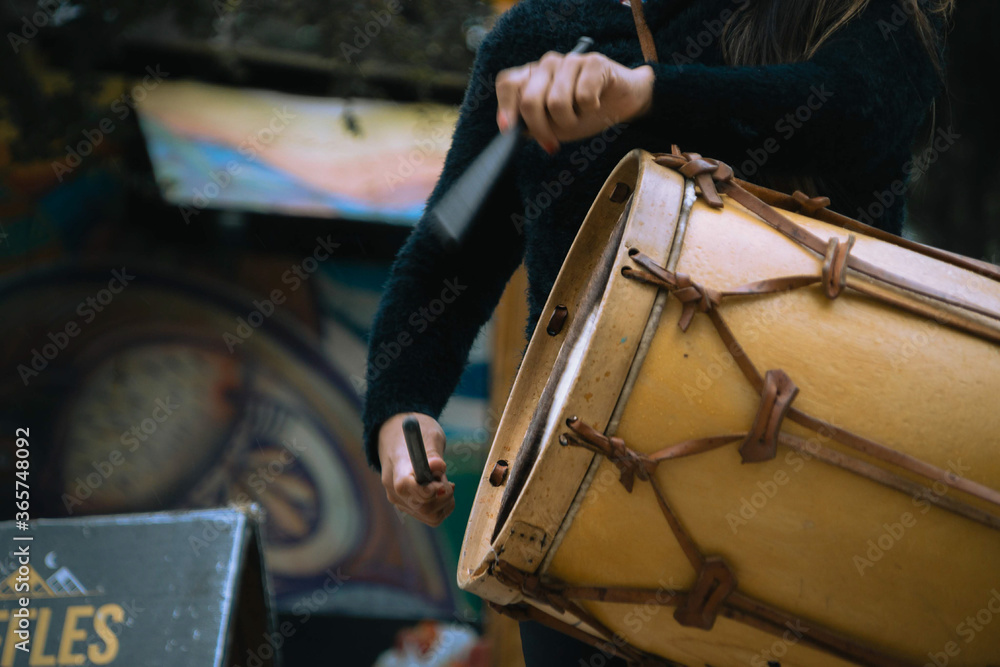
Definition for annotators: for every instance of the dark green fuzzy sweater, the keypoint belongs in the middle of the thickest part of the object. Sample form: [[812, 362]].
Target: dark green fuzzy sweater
[[848, 116]]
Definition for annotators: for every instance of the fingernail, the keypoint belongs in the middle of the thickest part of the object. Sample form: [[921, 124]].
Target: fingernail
[[551, 148], [440, 492], [502, 122]]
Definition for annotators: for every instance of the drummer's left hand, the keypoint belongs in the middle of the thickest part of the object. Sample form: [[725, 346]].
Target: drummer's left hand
[[565, 97]]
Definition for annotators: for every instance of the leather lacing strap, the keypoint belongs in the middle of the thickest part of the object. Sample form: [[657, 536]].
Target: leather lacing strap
[[793, 203], [698, 298], [610, 646], [531, 586], [714, 592], [652, 273], [631, 464], [834, 275], [713, 177], [774, 407]]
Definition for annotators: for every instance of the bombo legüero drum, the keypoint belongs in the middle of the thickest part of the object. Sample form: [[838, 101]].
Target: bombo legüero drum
[[750, 430]]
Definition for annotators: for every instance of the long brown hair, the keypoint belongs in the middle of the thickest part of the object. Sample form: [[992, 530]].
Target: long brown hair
[[764, 32]]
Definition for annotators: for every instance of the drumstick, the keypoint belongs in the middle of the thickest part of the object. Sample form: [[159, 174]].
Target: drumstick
[[418, 454], [455, 212]]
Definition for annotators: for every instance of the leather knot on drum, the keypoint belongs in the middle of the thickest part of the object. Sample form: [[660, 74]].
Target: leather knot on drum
[[703, 171], [631, 464], [695, 297]]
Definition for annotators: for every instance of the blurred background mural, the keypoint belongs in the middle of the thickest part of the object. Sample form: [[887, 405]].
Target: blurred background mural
[[199, 204]]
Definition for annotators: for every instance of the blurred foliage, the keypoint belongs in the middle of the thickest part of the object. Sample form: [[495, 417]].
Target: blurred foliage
[[423, 33], [90, 36], [431, 33]]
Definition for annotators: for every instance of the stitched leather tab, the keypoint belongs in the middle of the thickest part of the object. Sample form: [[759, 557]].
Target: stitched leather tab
[[775, 399], [701, 604]]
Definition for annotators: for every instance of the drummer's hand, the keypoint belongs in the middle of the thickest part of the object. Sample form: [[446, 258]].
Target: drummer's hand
[[431, 503], [565, 97]]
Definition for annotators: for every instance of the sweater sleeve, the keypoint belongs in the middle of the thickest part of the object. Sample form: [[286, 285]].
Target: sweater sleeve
[[864, 92], [435, 301]]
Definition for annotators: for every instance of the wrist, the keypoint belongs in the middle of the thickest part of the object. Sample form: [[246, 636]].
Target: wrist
[[388, 446], [644, 79]]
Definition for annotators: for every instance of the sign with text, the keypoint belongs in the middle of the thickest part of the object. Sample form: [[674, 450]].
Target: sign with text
[[177, 588]]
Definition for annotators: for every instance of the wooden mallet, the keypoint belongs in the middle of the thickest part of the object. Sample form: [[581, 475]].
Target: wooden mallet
[[418, 453], [456, 211]]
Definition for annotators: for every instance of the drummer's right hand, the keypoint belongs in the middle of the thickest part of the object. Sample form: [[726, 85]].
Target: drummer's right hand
[[431, 503]]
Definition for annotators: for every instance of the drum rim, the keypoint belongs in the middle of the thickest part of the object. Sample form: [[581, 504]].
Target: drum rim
[[649, 207]]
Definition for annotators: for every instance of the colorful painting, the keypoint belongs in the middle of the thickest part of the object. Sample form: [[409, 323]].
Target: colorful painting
[[215, 147], [148, 390]]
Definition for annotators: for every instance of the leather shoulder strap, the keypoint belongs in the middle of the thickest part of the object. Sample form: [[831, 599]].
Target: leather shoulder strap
[[645, 36]]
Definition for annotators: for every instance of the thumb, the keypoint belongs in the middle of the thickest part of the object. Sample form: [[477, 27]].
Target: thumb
[[435, 457], [437, 465]]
